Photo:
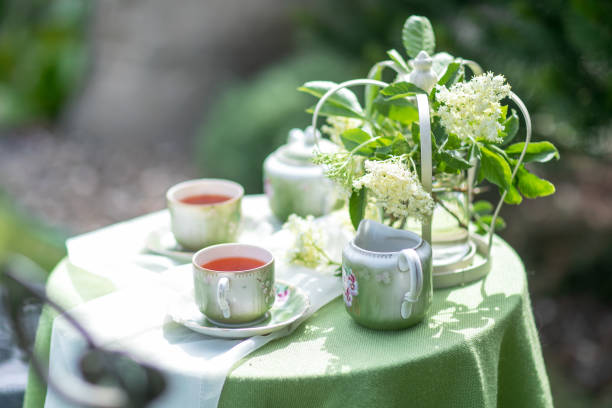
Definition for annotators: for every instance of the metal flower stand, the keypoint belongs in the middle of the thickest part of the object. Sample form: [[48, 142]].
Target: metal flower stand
[[476, 262]]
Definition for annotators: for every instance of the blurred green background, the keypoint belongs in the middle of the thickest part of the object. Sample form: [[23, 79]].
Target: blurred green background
[[71, 74], [43, 54], [42, 58]]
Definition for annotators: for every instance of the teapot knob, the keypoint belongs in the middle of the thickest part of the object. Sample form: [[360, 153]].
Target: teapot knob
[[295, 136], [310, 136], [423, 75]]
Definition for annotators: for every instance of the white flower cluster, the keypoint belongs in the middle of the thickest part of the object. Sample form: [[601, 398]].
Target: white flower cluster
[[309, 240], [339, 125], [472, 109], [396, 189], [339, 167]]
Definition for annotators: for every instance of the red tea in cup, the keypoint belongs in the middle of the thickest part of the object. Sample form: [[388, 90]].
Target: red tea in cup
[[202, 199], [233, 264]]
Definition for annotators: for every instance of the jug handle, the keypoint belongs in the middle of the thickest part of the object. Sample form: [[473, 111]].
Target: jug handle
[[409, 260], [222, 293]]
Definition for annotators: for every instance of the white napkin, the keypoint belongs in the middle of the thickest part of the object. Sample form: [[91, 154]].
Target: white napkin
[[134, 318]]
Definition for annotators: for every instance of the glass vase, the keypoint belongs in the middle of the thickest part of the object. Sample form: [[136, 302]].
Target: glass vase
[[450, 236]]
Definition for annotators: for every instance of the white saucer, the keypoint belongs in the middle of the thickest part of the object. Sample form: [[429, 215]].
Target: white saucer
[[291, 303], [161, 241]]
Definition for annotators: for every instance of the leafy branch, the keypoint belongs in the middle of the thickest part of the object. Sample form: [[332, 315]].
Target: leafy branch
[[462, 136]]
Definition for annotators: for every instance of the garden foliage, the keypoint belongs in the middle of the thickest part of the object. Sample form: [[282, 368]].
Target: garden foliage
[[43, 57]]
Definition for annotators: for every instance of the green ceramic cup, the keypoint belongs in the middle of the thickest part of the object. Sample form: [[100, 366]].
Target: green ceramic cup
[[234, 298], [196, 226]]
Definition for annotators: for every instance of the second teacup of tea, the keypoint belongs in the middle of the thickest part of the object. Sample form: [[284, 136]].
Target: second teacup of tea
[[234, 283], [205, 212]]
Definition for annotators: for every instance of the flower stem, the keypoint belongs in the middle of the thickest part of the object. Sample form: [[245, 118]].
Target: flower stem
[[329, 260], [445, 208], [367, 142]]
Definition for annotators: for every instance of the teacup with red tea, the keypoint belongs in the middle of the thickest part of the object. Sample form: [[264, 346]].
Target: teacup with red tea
[[234, 283], [205, 212]]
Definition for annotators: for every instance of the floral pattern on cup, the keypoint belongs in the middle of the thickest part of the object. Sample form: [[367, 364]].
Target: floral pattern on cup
[[268, 288], [282, 295], [384, 278], [351, 287]]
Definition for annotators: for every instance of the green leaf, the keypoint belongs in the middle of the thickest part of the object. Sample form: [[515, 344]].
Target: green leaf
[[500, 224], [531, 186], [538, 151], [453, 142], [453, 72], [399, 90], [404, 114], [352, 138], [454, 160], [504, 111], [418, 35], [415, 132], [384, 147], [332, 110], [383, 152], [372, 90], [513, 197], [440, 62], [344, 98], [357, 205], [494, 168], [500, 151], [482, 207], [474, 153], [399, 60], [438, 131], [401, 110], [400, 146], [511, 127]]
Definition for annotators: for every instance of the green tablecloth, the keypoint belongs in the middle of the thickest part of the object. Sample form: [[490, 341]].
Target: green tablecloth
[[478, 347]]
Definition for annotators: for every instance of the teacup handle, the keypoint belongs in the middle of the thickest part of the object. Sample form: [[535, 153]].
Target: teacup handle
[[409, 260], [222, 293]]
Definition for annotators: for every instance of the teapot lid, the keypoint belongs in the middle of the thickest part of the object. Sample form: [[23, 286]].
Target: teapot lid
[[301, 146]]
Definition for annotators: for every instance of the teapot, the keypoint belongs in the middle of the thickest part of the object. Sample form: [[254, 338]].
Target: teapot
[[387, 277], [295, 185]]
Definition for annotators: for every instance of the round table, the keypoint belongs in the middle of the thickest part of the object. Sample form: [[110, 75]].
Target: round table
[[477, 347]]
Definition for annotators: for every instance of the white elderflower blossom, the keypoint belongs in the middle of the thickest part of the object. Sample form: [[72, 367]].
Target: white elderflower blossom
[[396, 189], [472, 109], [309, 241], [339, 125], [340, 167]]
